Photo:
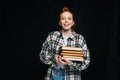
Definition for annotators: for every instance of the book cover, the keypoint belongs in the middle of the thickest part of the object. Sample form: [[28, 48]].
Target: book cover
[[71, 48]]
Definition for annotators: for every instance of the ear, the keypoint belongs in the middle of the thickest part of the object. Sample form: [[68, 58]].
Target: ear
[[59, 23], [73, 23]]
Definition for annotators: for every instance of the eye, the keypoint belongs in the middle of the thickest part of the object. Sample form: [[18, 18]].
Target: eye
[[62, 18], [69, 18]]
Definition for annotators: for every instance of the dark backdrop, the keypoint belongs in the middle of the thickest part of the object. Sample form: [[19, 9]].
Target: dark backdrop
[[25, 25]]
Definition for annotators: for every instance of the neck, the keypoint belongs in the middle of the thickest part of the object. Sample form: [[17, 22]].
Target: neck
[[67, 33]]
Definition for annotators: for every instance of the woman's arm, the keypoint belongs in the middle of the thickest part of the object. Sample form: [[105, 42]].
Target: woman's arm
[[47, 55]]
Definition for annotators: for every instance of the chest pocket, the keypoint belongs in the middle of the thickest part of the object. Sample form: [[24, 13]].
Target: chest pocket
[[74, 43]]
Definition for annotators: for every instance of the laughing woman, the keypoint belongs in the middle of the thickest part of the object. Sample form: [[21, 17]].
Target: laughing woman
[[59, 68]]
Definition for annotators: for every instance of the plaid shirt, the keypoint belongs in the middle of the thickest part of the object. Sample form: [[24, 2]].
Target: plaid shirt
[[51, 47]]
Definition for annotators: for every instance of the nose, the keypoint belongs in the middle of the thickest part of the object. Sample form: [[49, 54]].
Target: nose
[[66, 20]]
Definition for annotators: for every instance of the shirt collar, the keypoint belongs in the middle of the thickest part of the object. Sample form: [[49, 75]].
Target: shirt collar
[[72, 37]]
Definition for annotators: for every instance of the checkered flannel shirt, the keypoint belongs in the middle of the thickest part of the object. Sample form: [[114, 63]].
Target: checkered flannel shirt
[[51, 47]]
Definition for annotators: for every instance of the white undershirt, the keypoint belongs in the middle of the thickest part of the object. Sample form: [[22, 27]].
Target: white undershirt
[[65, 40]]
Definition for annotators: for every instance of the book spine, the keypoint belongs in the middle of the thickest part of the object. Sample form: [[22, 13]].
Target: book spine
[[73, 58], [71, 54]]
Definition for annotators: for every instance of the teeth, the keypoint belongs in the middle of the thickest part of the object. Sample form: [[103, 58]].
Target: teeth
[[66, 24]]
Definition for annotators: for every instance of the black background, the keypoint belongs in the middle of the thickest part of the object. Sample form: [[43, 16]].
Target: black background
[[26, 24]]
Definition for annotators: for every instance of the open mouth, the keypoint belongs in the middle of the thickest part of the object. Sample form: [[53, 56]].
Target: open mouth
[[66, 24]]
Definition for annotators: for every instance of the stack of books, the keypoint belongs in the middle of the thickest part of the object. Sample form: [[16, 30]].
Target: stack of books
[[72, 53]]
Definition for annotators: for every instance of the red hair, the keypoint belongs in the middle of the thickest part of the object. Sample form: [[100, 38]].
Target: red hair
[[65, 9]]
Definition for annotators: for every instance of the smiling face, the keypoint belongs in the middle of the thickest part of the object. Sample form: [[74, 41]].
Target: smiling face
[[66, 21]]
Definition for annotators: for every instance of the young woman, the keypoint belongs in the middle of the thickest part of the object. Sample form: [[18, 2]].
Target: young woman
[[59, 68]]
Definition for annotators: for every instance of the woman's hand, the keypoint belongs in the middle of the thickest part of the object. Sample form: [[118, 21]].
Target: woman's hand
[[59, 59]]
